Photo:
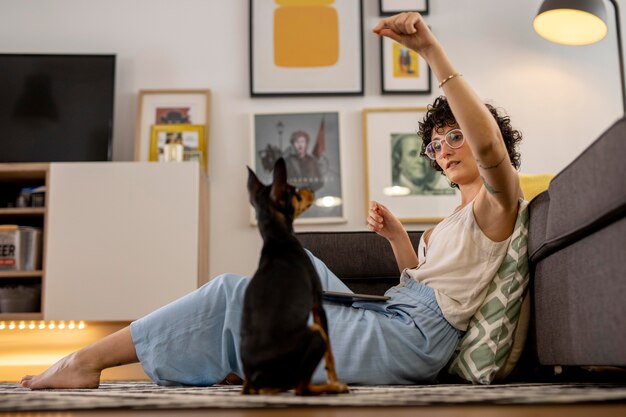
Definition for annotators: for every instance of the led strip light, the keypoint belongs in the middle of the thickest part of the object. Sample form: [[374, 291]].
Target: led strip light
[[41, 325]]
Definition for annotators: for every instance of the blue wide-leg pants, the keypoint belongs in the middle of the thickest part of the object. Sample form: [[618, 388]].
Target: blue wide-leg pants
[[195, 339]]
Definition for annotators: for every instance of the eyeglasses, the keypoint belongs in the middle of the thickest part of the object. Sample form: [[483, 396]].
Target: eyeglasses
[[454, 138]]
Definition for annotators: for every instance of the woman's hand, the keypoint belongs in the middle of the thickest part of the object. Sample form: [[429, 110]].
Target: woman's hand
[[383, 222], [408, 29]]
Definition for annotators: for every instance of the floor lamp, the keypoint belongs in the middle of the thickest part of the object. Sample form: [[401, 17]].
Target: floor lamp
[[579, 22]]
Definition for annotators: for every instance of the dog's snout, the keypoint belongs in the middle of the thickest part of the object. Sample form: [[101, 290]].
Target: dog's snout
[[303, 200]]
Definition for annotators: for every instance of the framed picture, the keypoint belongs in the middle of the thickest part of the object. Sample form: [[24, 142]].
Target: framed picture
[[302, 51], [178, 142], [391, 7], [171, 107], [402, 71], [395, 173], [310, 144]]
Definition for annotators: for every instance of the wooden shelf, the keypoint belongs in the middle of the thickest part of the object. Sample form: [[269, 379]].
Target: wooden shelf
[[26, 171], [23, 211], [21, 274], [17, 317], [75, 280], [13, 177]]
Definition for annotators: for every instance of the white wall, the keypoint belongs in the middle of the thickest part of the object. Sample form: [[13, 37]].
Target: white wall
[[561, 97]]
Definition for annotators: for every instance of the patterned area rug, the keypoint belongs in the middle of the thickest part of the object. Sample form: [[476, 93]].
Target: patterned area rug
[[140, 395]]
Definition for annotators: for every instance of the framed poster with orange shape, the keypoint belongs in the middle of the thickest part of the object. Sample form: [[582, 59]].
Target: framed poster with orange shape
[[402, 70], [306, 47]]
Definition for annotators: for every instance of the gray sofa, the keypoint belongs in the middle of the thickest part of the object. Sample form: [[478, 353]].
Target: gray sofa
[[577, 252]]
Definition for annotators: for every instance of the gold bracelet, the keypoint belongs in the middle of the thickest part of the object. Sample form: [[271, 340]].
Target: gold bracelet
[[458, 74]]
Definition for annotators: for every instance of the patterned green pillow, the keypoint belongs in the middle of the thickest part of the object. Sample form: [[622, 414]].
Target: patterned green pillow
[[486, 345]]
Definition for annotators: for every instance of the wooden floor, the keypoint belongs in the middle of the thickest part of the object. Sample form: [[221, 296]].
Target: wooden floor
[[578, 410]]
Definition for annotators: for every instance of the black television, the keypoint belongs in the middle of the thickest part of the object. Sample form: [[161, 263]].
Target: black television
[[56, 107]]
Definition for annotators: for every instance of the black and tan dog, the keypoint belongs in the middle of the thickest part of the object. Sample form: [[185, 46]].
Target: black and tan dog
[[280, 350]]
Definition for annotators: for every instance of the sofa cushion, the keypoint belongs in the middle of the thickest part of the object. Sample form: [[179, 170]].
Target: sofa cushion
[[579, 308], [534, 184], [585, 196], [484, 349]]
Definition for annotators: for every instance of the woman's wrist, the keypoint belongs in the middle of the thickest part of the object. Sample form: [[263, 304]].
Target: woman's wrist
[[398, 236], [431, 52], [438, 61]]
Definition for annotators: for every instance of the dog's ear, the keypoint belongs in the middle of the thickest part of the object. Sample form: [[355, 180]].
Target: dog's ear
[[280, 171], [279, 185], [254, 185]]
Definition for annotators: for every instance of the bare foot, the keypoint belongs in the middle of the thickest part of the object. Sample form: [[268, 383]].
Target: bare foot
[[69, 372]]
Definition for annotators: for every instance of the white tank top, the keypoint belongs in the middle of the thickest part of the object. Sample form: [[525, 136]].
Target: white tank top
[[459, 262]]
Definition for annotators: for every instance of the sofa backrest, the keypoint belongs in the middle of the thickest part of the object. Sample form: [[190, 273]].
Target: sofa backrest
[[363, 260], [587, 195], [577, 251]]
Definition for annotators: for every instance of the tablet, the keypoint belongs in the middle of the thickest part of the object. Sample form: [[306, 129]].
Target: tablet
[[348, 297]]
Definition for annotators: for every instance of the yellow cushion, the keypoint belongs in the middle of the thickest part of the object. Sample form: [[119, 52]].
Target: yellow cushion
[[534, 184]]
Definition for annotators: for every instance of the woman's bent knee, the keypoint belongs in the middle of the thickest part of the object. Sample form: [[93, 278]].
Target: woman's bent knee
[[230, 285]]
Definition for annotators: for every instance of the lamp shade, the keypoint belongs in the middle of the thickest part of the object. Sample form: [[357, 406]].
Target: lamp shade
[[572, 22]]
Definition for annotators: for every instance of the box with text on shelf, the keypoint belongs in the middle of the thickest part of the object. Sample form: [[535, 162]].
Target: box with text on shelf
[[20, 248]]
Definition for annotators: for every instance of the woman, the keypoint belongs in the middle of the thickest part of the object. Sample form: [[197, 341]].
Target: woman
[[194, 340]]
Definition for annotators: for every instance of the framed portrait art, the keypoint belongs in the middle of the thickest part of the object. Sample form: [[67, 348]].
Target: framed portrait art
[[302, 48], [189, 110], [395, 173], [402, 70], [178, 142], [310, 144], [391, 7]]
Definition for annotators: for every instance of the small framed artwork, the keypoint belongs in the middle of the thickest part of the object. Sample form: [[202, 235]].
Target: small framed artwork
[[395, 173], [391, 7], [178, 142], [402, 70], [170, 107], [310, 144], [297, 50]]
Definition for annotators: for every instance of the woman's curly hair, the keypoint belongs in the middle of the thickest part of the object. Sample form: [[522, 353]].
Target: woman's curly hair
[[439, 115]]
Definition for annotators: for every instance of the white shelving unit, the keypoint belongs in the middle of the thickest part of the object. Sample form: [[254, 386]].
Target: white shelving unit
[[124, 238]]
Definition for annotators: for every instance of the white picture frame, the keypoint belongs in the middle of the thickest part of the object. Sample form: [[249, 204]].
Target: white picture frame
[[382, 128], [312, 51], [195, 103]]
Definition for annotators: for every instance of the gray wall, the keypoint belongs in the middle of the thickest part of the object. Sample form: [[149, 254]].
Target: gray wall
[[561, 97]]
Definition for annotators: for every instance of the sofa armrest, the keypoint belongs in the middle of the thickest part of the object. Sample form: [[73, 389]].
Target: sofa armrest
[[363, 260]]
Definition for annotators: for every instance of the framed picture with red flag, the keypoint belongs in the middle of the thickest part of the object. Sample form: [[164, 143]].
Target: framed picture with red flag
[[310, 144]]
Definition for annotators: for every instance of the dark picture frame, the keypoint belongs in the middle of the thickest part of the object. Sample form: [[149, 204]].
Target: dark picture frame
[[391, 7], [403, 71], [314, 161], [324, 58]]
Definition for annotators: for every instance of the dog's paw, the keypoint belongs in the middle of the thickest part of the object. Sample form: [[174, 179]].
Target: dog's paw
[[319, 389]]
